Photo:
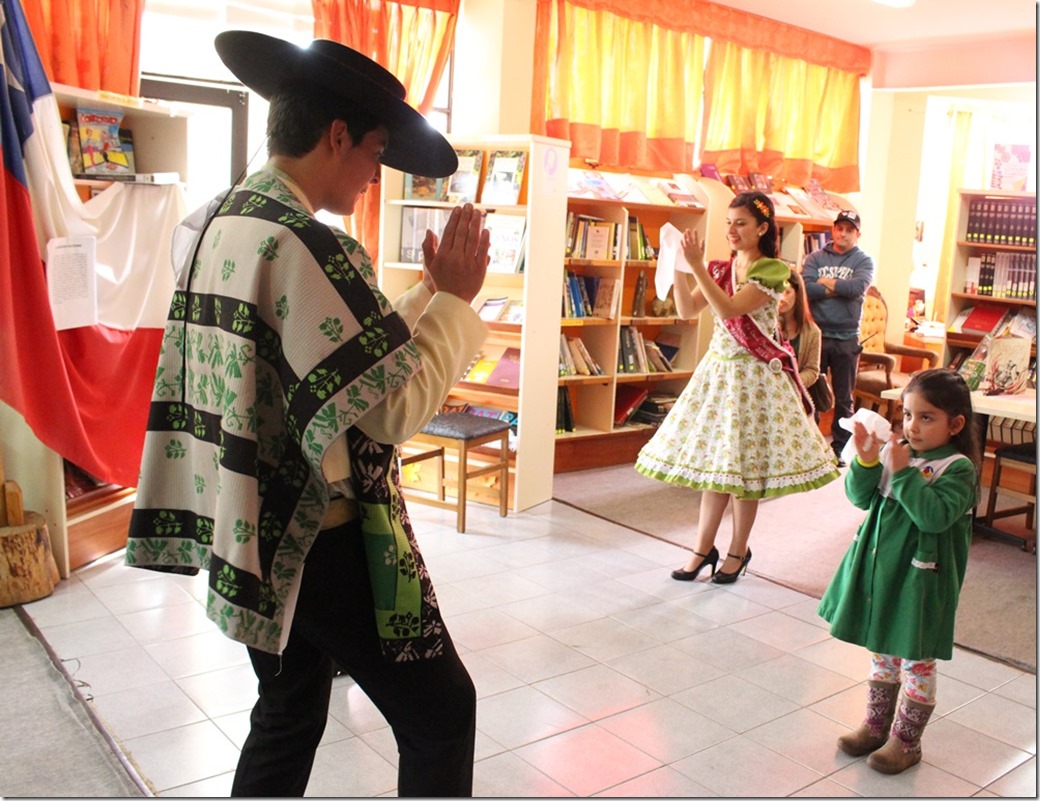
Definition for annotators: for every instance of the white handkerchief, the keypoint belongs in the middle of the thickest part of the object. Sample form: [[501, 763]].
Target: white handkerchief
[[874, 423], [670, 259]]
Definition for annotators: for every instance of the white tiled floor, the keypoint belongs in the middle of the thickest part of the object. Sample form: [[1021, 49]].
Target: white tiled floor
[[596, 673]]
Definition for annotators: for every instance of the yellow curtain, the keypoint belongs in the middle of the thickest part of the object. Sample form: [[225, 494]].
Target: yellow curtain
[[92, 44], [781, 116], [412, 39], [623, 81], [959, 156], [625, 92]]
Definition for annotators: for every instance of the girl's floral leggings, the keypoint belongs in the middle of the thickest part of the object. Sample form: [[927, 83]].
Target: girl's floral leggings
[[918, 676]]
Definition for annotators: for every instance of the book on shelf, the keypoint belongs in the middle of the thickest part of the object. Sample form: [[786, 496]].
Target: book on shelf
[[983, 318], [507, 241], [567, 365], [593, 365], [99, 143], [627, 187], [564, 412], [513, 312], [738, 183], [825, 201], [505, 176], [415, 221], [482, 365], [711, 171], [492, 308], [589, 184], [420, 187], [599, 240], [608, 298], [581, 367], [761, 182], [676, 194], [1007, 365], [506, 372], [573, 304], [657, 358], [626, 400], [463, 185], [807, 202], [668, 343]]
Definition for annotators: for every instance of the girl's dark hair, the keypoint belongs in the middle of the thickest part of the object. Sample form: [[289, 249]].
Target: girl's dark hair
[[761, 207], [298, 115], [945, 389], [800, 308]]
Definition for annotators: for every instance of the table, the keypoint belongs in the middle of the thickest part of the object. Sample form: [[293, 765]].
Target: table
[[1016, 407]]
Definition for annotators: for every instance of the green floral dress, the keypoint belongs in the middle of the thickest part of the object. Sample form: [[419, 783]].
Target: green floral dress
[[739, 427]]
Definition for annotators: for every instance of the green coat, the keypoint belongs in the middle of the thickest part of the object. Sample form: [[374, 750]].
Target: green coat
[[896, 590]]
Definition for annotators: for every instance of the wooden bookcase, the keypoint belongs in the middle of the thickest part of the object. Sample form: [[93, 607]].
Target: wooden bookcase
[[596, 441], [542, 202], [960, 299], [87, 527]]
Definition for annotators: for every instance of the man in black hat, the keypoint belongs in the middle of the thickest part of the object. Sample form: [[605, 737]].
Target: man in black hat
[[836, 280], [285, 382]]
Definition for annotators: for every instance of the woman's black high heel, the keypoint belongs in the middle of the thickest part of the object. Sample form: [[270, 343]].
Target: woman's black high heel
[[709, 558], [729, 578]]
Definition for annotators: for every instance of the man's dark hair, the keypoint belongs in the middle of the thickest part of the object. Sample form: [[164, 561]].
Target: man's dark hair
[[298, 116]]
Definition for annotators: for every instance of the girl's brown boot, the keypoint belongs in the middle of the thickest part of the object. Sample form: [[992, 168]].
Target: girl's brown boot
[[903, 748], [873, 731]]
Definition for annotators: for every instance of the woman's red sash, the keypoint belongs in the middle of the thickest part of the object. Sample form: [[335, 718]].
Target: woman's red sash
[[778, 355]]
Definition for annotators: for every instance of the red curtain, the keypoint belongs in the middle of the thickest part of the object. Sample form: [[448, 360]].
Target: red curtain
[[92, 44], [413, 40]]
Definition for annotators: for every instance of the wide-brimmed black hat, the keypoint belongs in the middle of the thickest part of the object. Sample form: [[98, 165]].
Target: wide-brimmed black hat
[[267, 65]]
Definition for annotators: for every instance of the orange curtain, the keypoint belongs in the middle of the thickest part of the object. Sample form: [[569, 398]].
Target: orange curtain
[[412, 39], [92, 44], [763, 95], [781, 116]]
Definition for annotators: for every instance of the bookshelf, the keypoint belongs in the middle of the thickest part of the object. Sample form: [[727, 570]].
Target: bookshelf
[[94, 523], [994, 228], [160, 131], [597, 439], [542, 204]]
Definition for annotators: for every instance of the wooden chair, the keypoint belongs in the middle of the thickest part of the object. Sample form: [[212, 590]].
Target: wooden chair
[[460, 432], [1021, 457], [878, 363]]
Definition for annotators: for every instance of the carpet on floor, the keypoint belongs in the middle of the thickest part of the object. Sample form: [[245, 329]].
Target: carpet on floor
[[799, 540], [50, 744]]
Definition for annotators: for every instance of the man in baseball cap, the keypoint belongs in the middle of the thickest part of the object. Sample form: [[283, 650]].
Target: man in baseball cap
[[836, 280], [285, 383]]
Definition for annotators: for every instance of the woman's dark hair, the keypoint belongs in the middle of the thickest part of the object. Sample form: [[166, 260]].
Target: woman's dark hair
[[800, 308], [945, 389], [298, 115], [761, 207]]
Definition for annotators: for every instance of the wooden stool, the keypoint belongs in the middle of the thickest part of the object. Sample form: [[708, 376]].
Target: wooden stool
[[462, 432], [1018, 457]]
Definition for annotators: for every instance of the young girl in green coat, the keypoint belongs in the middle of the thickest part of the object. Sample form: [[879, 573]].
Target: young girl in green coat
[[897, 587]]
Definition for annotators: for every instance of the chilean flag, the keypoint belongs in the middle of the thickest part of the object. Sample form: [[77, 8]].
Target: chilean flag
[[83, 391]]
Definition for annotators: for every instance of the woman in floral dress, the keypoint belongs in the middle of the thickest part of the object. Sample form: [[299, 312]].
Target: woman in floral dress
[[743, 427]]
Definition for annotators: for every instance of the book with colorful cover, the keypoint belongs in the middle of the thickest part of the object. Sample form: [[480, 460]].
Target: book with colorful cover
[[463, 185], [419, 187], [505, 176], [589, 184], [99, 142], [506, 372], [507, 241]]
